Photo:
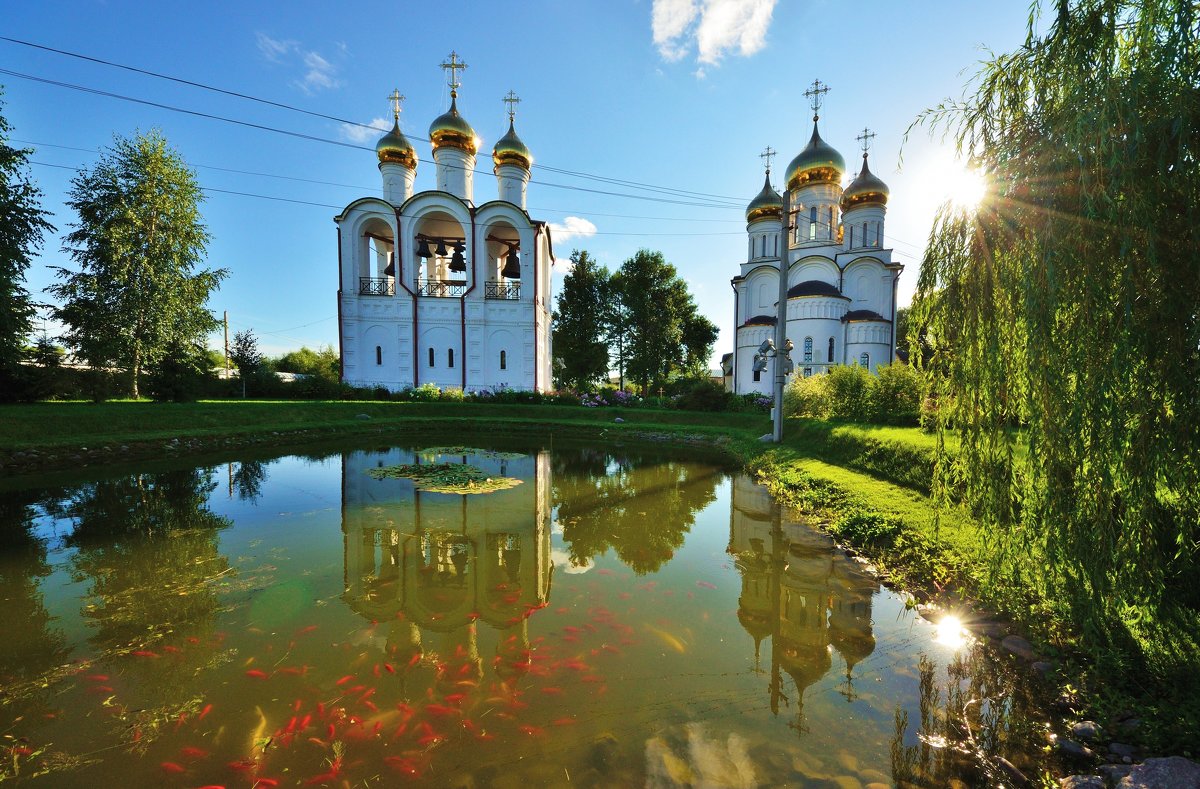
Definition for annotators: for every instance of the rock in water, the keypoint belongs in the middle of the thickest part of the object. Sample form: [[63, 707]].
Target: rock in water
[[1082, 782], [1087, 731], [1173, 772], [1018, 646]]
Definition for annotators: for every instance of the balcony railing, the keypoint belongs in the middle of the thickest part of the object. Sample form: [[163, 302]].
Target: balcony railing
[[441, 287], [372, 286], [510, 291]]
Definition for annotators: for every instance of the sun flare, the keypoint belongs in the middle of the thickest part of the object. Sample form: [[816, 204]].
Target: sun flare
[[949, 632], [961, 185]]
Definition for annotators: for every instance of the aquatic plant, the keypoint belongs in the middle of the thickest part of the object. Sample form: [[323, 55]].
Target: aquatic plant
[[446, 477]]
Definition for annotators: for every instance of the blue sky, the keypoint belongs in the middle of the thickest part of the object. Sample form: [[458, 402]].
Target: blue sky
[[674, 94]]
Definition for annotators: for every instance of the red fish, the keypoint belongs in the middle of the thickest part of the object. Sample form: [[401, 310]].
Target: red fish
[[304, 630], [705, 585], [212, 786], [439, 710], [532, 731], [172, 767], [242, 765], [171, 649], [144, 653], [415, 659], [344, 679], [266, 783], [255, 673], [192, 752], [97, 678], [625, 595], [605, 571], [207, 709], [430, 739], [388, 667]]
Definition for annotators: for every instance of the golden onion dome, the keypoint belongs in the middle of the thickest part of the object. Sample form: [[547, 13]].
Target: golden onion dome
[[818, 163], [865, 189], [768, 203], [450, 130], [394, 148], [510, 150]]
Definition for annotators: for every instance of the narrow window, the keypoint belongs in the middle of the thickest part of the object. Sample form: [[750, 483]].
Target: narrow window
[[431, 357], [864, 234], [831, 350], [808, 372], [808, 349], [503, 360], [763, 247], [758, 375], [378, 355], [450, 357], [851, 236], [864, 360], [829, 230], [812, 222]]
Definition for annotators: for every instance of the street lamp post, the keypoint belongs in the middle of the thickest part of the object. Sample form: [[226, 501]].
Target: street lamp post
[[782, 366]]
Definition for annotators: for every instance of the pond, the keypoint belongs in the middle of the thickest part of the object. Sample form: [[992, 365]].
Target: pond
[[608, 616]]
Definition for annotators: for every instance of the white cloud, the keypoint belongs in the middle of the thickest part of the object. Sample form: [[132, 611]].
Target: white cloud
[[274, 49], [669, 20], [319, 73], [360, 134], [716, 27], [572, 227], [562, 560]]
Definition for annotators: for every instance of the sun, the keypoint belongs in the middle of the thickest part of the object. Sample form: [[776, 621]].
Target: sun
[[950, 632], [961, 185]]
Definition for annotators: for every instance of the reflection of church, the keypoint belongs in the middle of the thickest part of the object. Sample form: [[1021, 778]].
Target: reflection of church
[[434, 287], [432, 565], [798, 592]]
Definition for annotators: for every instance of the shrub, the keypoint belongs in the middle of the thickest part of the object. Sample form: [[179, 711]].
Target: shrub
[[897, 395], [807, 397], [850, 390], [180, 376], [425, 393], [704, 396], [451, 395]]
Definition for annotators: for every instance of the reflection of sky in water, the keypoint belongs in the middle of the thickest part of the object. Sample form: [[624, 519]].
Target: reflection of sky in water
[[642, 620]]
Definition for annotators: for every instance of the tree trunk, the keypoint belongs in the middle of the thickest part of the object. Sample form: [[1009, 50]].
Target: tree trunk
[[136, 370]]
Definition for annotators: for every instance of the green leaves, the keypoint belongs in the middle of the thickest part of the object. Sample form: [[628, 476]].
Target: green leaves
[[138, 240]]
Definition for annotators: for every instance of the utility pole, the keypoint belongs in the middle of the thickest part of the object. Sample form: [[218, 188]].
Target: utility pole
[[226, 345], [785, 222]]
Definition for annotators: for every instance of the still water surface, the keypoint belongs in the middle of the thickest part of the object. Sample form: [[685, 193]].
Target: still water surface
[[621, 618]]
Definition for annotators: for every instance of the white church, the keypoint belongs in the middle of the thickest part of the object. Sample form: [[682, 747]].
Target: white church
[[435, 288], [841, 296]]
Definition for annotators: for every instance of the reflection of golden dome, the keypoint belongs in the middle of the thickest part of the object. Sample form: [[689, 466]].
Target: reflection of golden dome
[[510, 150], [757, 625], [451, 130], [818, 163], [768, 203], [865, 189], [394, 148], [804, 663]]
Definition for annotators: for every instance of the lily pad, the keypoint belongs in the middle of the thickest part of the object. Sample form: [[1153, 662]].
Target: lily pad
[[446, 477], [490, 454]]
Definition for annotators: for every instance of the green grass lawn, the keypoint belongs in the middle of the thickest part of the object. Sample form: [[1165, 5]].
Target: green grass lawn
[[71, 424]]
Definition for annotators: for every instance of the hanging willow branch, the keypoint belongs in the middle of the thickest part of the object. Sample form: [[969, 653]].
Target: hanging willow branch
[[1062, 315]]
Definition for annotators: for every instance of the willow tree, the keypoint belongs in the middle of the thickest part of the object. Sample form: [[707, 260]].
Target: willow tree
[[138, 241], [1066, 309]]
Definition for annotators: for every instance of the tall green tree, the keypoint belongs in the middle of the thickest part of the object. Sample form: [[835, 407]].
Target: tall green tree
[[245, 356], [1067, 305], [665, 334], [581, 315], [138, 242], [23, 226]]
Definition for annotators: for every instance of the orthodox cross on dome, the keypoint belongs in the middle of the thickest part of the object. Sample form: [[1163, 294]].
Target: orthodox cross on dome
[[816, 96], [512, 100], [767, 155], [453, 65], [864, 140], [395, 99]]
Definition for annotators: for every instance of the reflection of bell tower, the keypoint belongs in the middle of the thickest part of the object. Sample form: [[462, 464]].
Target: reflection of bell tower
[[798, 591], [433, 564]]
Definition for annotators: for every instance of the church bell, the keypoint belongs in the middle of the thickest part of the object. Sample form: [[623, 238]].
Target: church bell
[[423, 250], [458, 263], [512, 265]]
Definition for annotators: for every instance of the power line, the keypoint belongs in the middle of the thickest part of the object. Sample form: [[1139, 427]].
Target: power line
[[292, 108]]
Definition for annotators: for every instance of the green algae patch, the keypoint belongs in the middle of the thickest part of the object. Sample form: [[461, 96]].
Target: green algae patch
[[473, 451], [446, 477]]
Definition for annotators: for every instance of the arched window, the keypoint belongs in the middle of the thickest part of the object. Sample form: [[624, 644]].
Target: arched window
[[812, 222], [503, 360], [864, 360], [865, 242], [431, 357], [831, 350], [449, 357], [378, 355], [808, 349], [829, 229]]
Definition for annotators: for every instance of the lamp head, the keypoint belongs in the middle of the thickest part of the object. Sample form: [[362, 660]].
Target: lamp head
[[767, 345]]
